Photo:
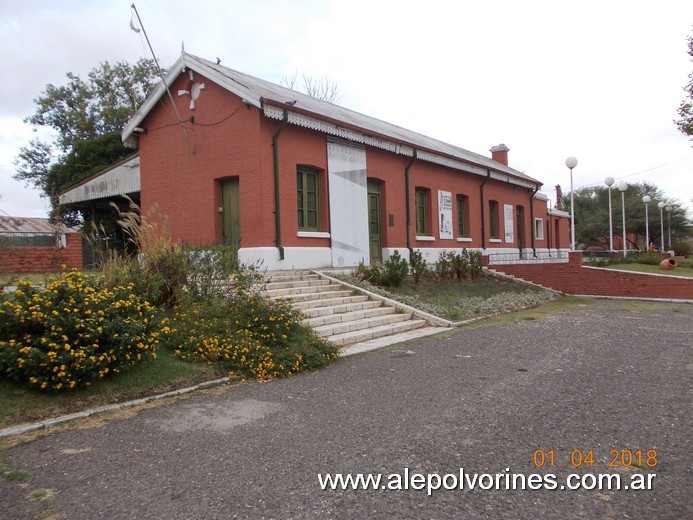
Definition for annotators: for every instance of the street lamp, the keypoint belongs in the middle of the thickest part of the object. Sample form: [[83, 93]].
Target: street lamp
[[571, 162], [661, 206], [623, 186], [668, 210], [647, 199], [609, 181]]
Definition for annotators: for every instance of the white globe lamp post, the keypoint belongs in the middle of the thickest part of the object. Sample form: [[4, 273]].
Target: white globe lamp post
[[646, 199], [571, 162], [661, 207]]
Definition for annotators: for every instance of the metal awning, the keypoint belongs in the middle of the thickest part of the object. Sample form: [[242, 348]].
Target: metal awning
[[121, 178]]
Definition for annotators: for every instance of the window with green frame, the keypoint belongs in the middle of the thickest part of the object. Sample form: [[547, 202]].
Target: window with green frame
[[308, 191], [462, 216], [422, 224], [493, 219]]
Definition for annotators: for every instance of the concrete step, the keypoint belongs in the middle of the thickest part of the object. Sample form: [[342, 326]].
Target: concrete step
[[284, 276], [291, 291], [338, 314], [349, 338], [344, 317], [312, 312], [323, 295], [290, 284], [330, 302], [366, 323]]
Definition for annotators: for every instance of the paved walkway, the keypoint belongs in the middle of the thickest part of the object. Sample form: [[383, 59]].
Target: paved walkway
[[611, 376]]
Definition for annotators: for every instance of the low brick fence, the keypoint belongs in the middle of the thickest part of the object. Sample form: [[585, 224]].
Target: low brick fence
[[573, 278], [42, 259]]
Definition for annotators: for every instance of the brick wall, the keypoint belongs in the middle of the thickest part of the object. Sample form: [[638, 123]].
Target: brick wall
[[21, 260], [574, 278]]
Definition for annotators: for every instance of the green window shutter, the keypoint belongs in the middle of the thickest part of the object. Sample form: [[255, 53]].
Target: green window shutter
[[421, 212], [308, 198], [462, 216]]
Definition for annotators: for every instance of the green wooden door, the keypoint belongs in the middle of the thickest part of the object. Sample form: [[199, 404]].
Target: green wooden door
[[230, 213], [374, 230]]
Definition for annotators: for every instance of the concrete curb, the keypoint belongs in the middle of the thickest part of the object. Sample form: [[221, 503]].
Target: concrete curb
[[49, 423]]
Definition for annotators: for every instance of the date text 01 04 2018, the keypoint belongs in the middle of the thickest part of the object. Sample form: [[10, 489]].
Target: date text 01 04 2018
[[643, 459]]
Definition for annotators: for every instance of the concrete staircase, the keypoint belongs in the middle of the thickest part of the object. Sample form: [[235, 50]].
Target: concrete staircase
[[337, 313]]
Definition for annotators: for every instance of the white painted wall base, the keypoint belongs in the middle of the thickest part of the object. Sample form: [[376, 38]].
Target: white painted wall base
[[321, 257], [430, 254], [294, 257]]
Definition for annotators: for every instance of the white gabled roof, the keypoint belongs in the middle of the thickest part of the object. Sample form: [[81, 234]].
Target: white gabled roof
[[329, 118]]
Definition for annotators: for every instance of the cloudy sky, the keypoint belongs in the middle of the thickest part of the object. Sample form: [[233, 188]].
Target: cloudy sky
[[598, 80]]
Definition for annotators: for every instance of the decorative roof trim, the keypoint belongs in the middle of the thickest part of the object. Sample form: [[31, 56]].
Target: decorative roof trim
[[337, 131], [311, 123]]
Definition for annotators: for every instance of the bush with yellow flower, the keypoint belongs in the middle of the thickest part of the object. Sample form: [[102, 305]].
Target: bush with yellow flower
[[246, 333], [73, 332]]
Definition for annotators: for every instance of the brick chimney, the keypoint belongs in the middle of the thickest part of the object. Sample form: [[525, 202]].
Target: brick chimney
[[499, 153]]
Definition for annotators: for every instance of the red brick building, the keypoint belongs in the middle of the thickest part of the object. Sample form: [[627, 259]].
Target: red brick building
[[302, 183]]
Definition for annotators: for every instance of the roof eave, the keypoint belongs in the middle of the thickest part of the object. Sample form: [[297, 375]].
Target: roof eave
[[500, 172]]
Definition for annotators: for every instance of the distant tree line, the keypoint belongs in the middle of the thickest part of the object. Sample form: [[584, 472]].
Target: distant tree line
[[592, 215]]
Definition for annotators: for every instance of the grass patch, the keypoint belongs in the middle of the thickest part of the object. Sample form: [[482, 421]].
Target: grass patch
[[681, 270], [20, 403], [458, 301], [40, 495], [13, 475]]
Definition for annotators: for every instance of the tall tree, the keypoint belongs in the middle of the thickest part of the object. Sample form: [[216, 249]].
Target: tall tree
[[86, 117], [685, 124], [592, 215]]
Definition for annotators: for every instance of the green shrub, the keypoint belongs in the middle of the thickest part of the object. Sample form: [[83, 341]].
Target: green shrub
[[389, 274], [396, 270], [476, 264], [681, 248], [369, 273], [465, 265], [649, 258], [445, 265], [460, 265], [418, 265], [209, 269], [73, 332]]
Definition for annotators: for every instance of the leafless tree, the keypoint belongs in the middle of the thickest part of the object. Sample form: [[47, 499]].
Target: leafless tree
[[319, 88]]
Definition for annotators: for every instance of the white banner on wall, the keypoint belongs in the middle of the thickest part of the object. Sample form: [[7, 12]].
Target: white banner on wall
[[509, 223], [348, 204], [445, 214]]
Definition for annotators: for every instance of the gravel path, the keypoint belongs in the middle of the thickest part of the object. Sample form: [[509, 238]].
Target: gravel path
[[606, 376]]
